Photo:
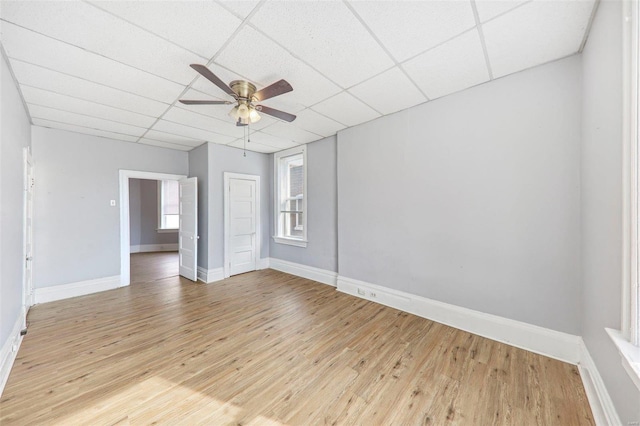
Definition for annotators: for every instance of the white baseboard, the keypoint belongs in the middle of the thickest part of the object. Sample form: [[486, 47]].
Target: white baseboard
[[9, 351], [208, 276], [81, 288], [604, 412], [543, 341], [146, 248], [304, 271]]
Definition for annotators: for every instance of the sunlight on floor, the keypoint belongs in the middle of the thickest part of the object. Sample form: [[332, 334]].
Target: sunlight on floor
[[182, 406]]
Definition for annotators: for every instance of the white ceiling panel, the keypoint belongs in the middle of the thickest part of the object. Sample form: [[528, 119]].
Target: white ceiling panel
[[407, 28], [254, 146], [34, 76], [188, 118], [264, 62], [535, 33], [287, 131], [191, 132], [200, 26], [389, 92], [346, 109], [173, 139], [205, 86], [273, 141], [36, 49], [83, 130], [165, 144], [46, 113], [67, 103], [451, 67], [90, 24], [325, 34], [241, 8], [488, 9], [317, 123]]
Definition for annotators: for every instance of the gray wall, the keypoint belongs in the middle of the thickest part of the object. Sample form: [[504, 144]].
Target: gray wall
[[322, 249], [15, 134], [143, 214], [199, 168], [472, 199], [227, 159], [77, 233], [602, 204]]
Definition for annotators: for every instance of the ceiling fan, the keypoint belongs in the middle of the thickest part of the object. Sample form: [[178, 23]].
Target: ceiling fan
[[245, 95]]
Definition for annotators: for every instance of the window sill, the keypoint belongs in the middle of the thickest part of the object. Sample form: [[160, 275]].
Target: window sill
[[630, 355], [166, 231], [290, 241]]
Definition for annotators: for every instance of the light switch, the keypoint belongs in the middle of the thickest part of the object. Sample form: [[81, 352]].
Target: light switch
[[113, 203]]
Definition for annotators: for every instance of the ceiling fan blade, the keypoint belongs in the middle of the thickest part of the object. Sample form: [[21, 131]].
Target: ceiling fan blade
[[206, 73], [190, 102], [276, 89], [276, 113]]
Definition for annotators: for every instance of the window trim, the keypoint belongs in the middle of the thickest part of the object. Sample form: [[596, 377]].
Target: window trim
[[279, 237], [627, 340], [159, 228]]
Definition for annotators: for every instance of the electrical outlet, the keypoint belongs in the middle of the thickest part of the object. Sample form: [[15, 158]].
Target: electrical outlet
[[361, 292]]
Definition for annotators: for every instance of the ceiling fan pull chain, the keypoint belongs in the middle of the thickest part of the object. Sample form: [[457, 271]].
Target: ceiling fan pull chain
[[244, 138]]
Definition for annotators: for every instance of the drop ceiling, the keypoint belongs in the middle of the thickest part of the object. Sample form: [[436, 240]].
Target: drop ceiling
[[116, 69]]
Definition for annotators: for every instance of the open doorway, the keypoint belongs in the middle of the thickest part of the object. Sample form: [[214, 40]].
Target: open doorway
[[153, 229], [187, 232]]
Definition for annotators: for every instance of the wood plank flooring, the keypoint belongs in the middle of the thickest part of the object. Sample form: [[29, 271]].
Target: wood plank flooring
[[147, 267], [267, 348]]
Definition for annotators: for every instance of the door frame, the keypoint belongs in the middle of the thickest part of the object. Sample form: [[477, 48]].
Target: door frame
[[125, 239], [227, 231], [27, 291]]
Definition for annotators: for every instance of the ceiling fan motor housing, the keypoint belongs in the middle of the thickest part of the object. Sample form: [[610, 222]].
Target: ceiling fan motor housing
[[243, 89]]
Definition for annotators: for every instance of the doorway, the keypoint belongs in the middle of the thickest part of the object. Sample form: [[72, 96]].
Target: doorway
[[241, 223], [27, 292], [187, 234]]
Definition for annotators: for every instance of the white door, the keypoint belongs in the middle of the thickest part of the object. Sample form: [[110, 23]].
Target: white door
[[28, 233], [243, 217], [188, 235]]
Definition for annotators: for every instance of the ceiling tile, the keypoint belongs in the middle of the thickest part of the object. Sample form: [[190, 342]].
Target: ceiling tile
[[36, 49], [488, 9], [172, 139], [205, 86], [165, 144], [102, 33], [272, 141], [66, 103], [241, 8], [200, 26], [326, 35], [254, 146], [188, 118], [191, 132], [317, 123], [389, 92], [42, 78], [254, 55], [535, 33], [407, 28], [46, 113], [289, 131], [346, 109], [453, 66], [83, 130]]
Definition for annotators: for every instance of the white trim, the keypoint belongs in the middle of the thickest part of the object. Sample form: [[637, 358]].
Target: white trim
[[146, 248], [540, 340], [263, 263], [258, 218], [211, 275], [80, 288], [9, 350], [604, 412], [300, 149], [290, 241], [124, 176], [629, 353], [27, 289], [309, 272]]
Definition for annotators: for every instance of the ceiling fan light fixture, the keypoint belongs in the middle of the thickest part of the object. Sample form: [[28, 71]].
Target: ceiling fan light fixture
[[254, 117], [243, 111]]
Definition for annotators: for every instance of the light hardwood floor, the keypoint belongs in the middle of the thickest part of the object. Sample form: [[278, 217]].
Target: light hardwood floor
[[147, 267], [267, 348]]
